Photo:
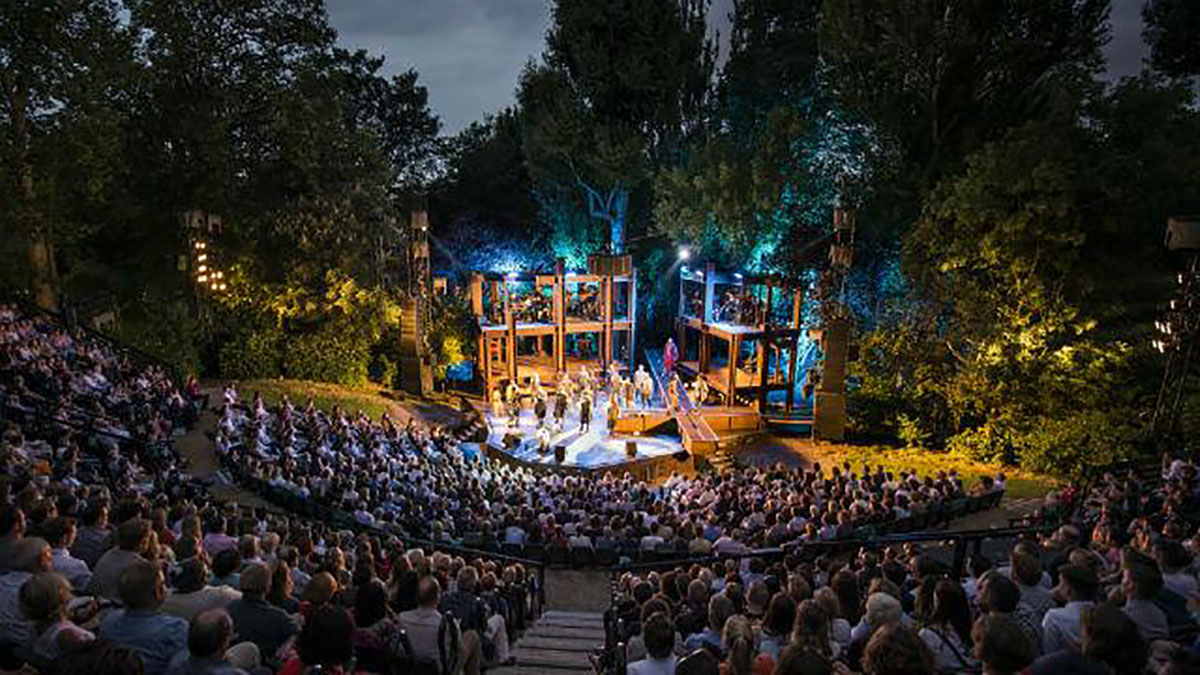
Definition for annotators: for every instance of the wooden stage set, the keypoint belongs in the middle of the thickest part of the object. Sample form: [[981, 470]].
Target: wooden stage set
[[546, 323]]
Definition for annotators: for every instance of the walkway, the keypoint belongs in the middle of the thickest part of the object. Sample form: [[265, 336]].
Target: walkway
[[698, 436]]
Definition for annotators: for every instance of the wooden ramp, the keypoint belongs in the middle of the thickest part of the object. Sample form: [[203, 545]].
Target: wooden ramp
[[698, 436]]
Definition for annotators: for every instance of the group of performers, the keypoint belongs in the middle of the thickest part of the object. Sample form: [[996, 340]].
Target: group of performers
[[577, 396]]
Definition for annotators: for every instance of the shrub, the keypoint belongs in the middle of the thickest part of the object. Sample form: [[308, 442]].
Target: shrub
[[254, 355], [163, 329], [327, 356]]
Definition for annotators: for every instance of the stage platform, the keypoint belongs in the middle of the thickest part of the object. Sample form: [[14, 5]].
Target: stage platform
[[594, 450]]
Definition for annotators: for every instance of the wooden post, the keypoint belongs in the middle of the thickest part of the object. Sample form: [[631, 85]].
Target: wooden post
[[632, 318], [762, 344], [710, 283], [510, 348], [734, 346], [560, 316], [794, 342], [606, 336]]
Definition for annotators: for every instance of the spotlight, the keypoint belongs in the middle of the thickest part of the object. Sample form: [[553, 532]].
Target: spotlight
[[684, 253], [202, 257]]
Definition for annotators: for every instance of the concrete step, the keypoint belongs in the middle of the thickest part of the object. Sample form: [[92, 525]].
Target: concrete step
[[557, 660], [560, 644], [565, 632], [530, 670], [571, 622], [554, 613]]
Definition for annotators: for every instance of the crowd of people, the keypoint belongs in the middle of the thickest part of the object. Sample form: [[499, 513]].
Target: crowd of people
[[420, 483], [1112, 590], [113, 560]]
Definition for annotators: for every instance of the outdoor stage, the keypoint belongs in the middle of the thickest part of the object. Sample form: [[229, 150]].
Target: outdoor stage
[[596, 449]]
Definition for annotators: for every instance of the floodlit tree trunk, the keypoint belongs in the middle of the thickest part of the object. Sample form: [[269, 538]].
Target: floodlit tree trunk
[[620, 202], [43, 274]]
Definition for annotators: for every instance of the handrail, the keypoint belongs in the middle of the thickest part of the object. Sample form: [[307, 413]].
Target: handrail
[[960, 537]]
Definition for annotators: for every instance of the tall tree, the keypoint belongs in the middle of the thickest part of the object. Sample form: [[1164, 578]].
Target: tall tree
[[1171, 28], [621, 86], [943, 77], [59, 60]]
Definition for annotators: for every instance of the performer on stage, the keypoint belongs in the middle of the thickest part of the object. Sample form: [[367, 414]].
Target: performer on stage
[[560, 408], [701, 391], [539, 409], [645, 386], [585, 412], [498, 409], [543, 437], [614, 413], [614, 376], [673, 393], [670, 357]]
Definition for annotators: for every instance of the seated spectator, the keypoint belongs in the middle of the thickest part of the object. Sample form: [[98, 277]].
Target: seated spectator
[[948, 631], [95, 537], [209, 651], [720, 608], [659, 636], [796, 660], [1061, 626], [1001, 645], [28, 557], [225, 568], [1000, 595], [895, 649], [60, 534], [776, 629], [883, 610], [1109, 645], [470, 612], [216, 540], [12, 529], [283, 588], [326, 644], [101, 658], [193, 594], [45, 599], [430, 633], [133, 536], [141, 625], [256, 620], [1141, 583]]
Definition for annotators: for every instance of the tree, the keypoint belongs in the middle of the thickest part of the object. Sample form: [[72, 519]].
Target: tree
[[941, 78], [1171, 27], [621, 86], [59, 60]]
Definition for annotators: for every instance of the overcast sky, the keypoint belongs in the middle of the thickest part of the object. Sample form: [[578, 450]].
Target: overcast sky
[[469, 53]]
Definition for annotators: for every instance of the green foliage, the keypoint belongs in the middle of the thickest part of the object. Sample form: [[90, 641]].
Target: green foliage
[[452, 335], [165, 330], [1170, 30], [328, 355], [253, 355], [910, 433]]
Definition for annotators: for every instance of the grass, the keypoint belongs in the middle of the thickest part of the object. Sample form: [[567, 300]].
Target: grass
[[350, 398], [1021, 484]]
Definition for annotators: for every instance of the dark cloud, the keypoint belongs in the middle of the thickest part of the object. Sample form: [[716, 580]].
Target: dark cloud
[[469, 53]]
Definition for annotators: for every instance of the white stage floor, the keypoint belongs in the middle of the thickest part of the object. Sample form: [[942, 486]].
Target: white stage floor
[[596, 448]]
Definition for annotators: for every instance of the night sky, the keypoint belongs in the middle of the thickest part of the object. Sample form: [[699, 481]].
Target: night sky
[[470, 52]]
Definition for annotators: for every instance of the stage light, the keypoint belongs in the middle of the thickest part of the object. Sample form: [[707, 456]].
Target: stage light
[[203, 268], [684, 253], [737, 275], [202, 278]]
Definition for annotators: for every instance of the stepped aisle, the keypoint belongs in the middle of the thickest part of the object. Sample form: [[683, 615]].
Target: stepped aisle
[[559, 642]]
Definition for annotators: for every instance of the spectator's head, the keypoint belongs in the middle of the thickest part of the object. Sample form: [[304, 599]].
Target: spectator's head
[[950, 608], [757, 597], [132, 535], [467, 578], [59, 532], [44, 598], [1077, 583], [142, 586], [327, 638], [1141, 579], [320, 589], [429, 592], [226, 563], [193, 576], [1026, 568], [248, 545], [812, 627], [882, 610], [32, 555], [209, 634], [370, 603], [697, 593], [738, 639], [699, 662], [256, 581], [896, 650], [998, 593], [12, 522], [781, 614], [1171, 555], [720, 608], [1001, 645], [1110, 636], [796, 660], [659, 635]]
